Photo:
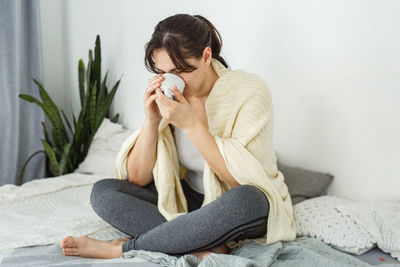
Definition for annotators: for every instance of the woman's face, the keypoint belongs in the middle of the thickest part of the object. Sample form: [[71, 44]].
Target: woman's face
[[193, 80]]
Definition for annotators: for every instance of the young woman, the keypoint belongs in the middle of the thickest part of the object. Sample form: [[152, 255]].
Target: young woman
[[200, 175]]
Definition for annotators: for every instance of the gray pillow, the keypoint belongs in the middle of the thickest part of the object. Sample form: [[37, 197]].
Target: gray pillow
[[304, 184]]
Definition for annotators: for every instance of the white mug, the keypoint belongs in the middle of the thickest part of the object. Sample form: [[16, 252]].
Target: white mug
[[168, 84]]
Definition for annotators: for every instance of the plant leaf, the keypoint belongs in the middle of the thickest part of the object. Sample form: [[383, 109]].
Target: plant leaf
[[52, 112], [81, 77], [58, 140], [92, 109], [88, 71], [30, 99], [49, 107], [97, 61], [106, 105], [75, 158], [51, 155], [73, 116], [46, 135], [21, 173], [79, 128], [115, 119], [102, 93], [66, 120], [87, 144], [64, 158], [74, 121]]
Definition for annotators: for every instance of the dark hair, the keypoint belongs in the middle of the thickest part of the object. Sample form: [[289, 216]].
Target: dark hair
[[183, 36]]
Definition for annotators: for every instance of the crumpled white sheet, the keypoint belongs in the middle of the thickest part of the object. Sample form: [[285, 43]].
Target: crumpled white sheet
[[44, 211], [380, 219]]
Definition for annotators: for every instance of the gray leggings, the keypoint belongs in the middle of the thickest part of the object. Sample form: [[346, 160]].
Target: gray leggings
[[238, 214]]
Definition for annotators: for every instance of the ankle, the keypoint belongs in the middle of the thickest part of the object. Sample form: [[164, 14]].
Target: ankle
[[117, 248]]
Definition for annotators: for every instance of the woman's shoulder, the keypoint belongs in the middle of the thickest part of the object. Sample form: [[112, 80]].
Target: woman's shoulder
[[241, 82]]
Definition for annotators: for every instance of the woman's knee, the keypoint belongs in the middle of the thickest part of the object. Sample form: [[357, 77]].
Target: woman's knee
[[100, 189], [102, 184], [250, 197]]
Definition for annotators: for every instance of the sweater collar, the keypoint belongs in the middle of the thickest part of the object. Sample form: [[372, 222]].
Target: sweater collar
[[219, 68]]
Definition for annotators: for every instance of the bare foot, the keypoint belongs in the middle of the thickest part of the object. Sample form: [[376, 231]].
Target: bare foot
[[202, 254], [87, 247], [222, 249]]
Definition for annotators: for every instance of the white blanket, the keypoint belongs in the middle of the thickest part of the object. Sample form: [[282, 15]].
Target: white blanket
[[44, 211]]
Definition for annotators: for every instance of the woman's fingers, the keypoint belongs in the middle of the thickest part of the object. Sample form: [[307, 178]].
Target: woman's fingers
[[150, 102], [150, 99], [150, 90], [154, 79], [156, 83]]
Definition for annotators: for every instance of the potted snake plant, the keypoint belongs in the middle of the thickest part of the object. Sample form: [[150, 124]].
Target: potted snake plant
[[62, 152]]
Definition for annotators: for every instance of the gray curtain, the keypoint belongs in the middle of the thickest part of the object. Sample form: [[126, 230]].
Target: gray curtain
[[20, 60]]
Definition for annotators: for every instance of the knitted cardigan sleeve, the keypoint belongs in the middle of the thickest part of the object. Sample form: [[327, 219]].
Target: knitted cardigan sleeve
[[250, 158]]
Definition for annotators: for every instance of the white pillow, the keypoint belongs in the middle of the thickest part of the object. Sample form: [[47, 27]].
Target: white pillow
[[317, 217], [380, 219], [104, 148]]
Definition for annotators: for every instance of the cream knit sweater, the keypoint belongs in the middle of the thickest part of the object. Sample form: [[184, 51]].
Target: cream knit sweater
[[239, 112]]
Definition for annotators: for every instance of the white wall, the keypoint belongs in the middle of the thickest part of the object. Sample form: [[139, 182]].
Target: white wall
[[332, 67]]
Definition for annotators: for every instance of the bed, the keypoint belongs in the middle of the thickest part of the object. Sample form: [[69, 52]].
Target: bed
[[332, 231]]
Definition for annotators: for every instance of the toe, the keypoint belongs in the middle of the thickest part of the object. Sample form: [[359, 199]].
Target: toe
[[68, 242], [62, 242], [70, 251]]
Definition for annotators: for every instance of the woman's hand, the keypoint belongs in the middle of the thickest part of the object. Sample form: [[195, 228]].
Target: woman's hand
[[152, 113], [180, 113]]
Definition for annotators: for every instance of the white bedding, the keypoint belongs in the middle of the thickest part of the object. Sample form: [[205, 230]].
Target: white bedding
[[44, 211]]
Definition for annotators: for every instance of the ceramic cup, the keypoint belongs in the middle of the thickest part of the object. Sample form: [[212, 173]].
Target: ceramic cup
[[168, 84]]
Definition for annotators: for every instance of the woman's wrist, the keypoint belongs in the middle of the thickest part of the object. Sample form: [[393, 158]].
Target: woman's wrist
[[151, 125], [193, 127]]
